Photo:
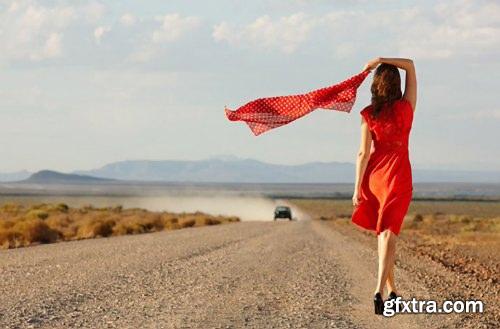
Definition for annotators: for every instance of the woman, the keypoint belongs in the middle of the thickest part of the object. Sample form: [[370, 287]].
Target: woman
[[383, 187]]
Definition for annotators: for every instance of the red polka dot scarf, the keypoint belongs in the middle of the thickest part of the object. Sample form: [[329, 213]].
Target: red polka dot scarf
[[264, 114]]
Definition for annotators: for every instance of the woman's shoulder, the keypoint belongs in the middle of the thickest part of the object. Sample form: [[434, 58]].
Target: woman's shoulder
[[399, 103], [366, 111], [404, 103]]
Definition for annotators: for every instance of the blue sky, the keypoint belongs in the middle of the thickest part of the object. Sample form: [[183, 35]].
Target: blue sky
[[85, 83]]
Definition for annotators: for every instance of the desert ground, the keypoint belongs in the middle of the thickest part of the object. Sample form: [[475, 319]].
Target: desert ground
[[316, 273]]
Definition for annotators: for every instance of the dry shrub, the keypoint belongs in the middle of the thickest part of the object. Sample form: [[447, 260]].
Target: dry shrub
[[59, 221], [117, 209], [470, 227], [136, 224], [37, 214], [463, 219], [174, 220], [35, 230], [431, 219], [207, 221], [413, 223], [6, 224], [439, 224], [10, 239], [45, 223], [95, 227], [71, 232], [64, 224], [418, 218], [11, 209], [86, 209], [152, 222], [169, 222], [125, 227], [39, 206], [482, 225], [187, 222], [62, 207]]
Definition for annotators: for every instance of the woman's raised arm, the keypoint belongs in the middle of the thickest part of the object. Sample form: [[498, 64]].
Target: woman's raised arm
[[410, 93]]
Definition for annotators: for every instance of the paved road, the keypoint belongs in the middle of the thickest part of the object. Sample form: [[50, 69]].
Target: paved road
[[251, 275]]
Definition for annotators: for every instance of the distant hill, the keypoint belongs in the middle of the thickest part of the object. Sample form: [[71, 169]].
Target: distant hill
[[224, 171], [54, 177], [235, 170], [230, 169], [14, 176]]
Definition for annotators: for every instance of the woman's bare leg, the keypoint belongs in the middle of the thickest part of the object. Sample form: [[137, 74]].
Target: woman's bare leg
[[380, 254], [391, 285], [387, 252]]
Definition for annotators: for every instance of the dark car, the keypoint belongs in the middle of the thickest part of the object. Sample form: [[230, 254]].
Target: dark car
[[282, 212]]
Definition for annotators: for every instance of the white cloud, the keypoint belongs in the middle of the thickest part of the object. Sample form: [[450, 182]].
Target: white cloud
[[446, 29], [99, 33], [128, 19], [93, 11], [53, 47], [224, 32], [30, 31], [455, 28], [33, 32], [286, 33], [173, 27], [449, 29], [14, 6]]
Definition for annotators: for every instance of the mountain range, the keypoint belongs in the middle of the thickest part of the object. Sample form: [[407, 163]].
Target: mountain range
[[54, 177], [236, 170]]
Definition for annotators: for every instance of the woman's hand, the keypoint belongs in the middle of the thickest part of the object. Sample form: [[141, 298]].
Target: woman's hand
[[371, 64], [356, 198]]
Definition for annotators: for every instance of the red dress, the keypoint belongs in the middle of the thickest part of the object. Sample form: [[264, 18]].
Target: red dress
[[386, 187]]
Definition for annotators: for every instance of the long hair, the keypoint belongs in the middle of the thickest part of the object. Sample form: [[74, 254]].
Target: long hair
[[386, 87]]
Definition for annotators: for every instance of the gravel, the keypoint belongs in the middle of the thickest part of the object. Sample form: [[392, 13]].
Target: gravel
[[299, 274]]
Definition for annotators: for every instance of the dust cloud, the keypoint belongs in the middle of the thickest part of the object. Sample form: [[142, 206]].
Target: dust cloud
[[247, 208]]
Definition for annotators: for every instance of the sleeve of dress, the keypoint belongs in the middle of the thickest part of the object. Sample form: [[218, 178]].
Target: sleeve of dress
[[364, 114]]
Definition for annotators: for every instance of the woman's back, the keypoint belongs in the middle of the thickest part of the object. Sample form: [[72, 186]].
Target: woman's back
[[390, 129]]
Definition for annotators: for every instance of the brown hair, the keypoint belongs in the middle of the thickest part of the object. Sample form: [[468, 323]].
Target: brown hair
[[386, 87]]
